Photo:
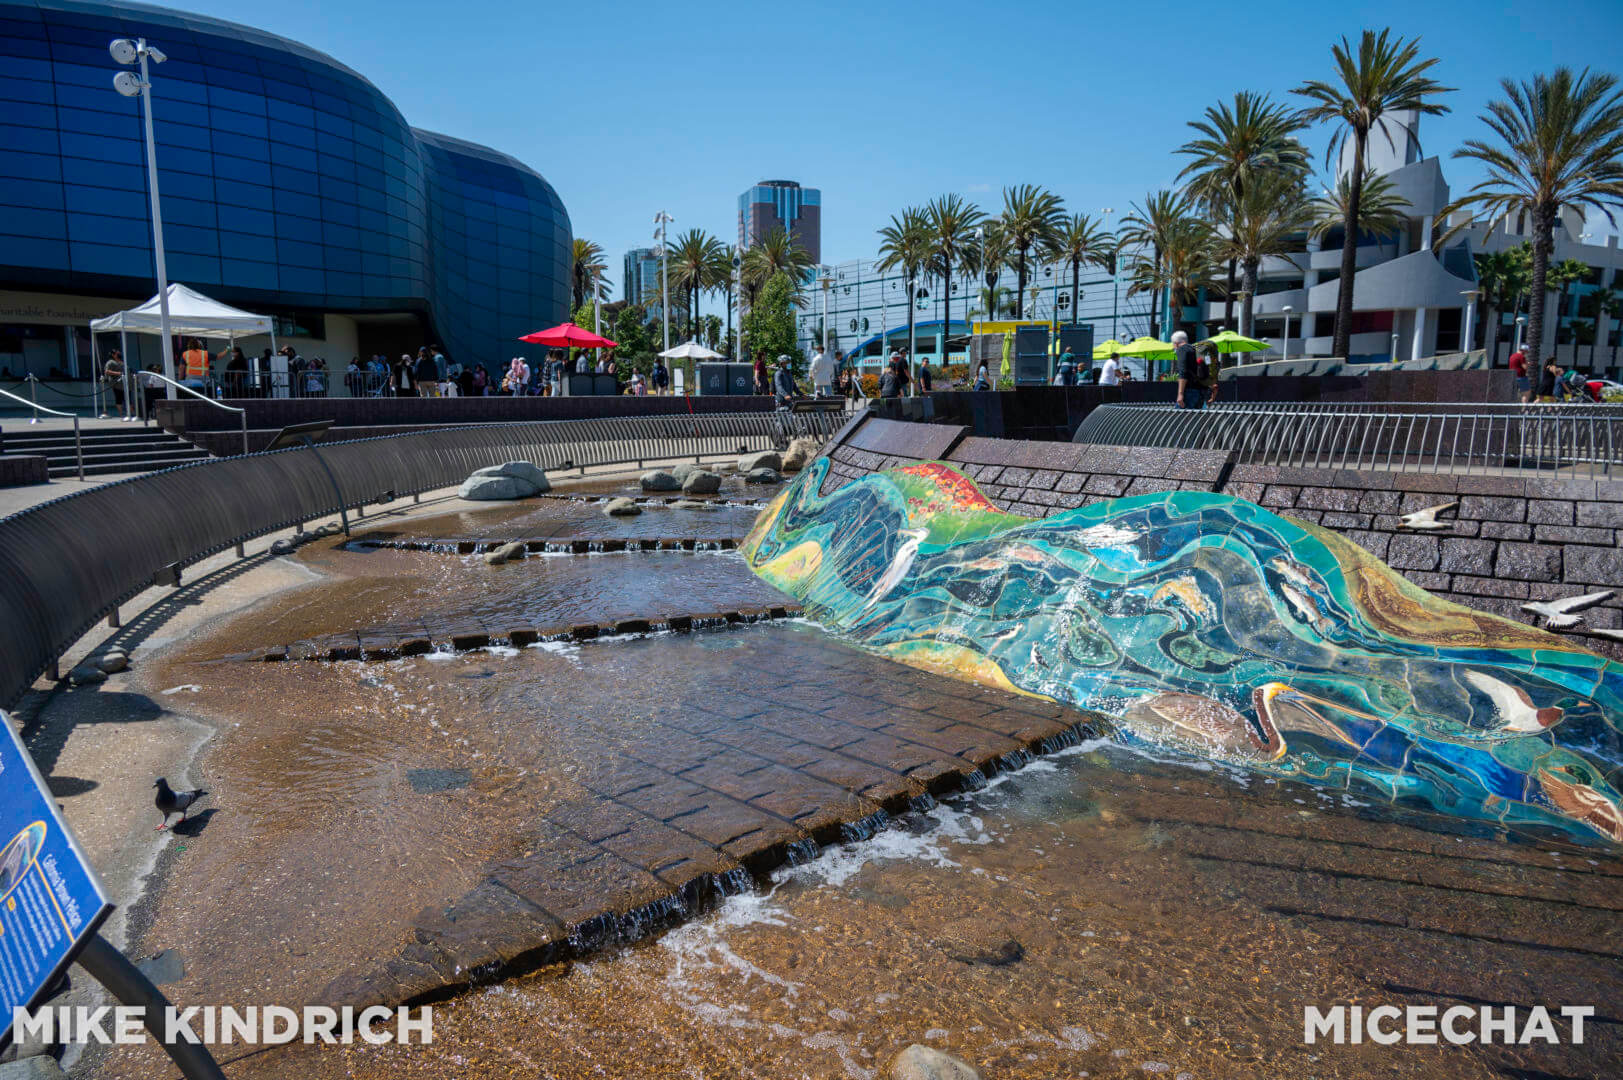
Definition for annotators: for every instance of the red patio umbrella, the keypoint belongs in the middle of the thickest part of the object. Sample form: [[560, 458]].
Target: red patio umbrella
[[568, 336]]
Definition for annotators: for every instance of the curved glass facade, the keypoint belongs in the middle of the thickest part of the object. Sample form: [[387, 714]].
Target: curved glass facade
[[287, 182]]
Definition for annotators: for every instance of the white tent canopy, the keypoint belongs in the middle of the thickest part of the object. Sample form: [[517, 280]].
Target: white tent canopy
[[691, 350], [191, 314]]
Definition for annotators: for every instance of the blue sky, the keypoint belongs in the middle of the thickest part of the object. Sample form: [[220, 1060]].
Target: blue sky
[[633, 107]]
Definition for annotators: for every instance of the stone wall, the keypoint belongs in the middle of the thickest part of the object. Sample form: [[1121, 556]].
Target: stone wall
[[1509, 540]]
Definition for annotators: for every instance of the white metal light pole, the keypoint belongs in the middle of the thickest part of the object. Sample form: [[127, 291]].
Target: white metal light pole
[[828, 281], [129, 84], [1470, 317], [597, 314], [1115, 331], [1285, 348], [1521, 320], [661, 220]]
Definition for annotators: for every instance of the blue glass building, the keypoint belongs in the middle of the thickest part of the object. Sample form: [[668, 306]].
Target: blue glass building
[[289, 186]]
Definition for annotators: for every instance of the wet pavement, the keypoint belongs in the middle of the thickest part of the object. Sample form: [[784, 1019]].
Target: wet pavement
[[1092, 913]]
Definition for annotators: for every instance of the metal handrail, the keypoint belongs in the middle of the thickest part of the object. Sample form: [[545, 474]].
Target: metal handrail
[[78, 439], [1402, 436], [204, 397]]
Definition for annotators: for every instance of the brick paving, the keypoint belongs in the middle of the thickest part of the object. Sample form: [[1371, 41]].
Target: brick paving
[[764, 765]]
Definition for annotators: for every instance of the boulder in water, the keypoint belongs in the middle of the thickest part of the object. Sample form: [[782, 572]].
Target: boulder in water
[[622, 507], [511, 480], [660, 480], [761, 459], [800, 453], [763, 476], [701, 483]]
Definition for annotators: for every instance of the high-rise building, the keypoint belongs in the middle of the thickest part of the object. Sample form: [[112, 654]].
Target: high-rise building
[[782, 204], [642, 276]]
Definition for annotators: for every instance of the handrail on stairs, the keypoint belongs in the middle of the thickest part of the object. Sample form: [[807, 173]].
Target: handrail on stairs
[[78, 441]]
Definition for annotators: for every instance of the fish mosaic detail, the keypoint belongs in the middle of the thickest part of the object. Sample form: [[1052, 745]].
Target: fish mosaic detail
[[1210, 625]]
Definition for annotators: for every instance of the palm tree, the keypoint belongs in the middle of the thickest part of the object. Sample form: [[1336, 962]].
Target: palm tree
[[1380, 209], [1154, 225], [777, 252], [1563, 276], [721, 278], [1237, 146], [691, 270], [1184, 264], [1265, 221], [1031, 219], [1495, 276], [1081, 240], [905, 245], [1386, 75], [587, 266], [951, 222], [1561, 145]]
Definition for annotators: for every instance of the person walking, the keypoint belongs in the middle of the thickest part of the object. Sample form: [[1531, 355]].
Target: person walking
[[783, 383], [426, 373], [822, 375], [1549, 379], [763, 386], [926, 378], [893, 383], [1192, 388], [112, 377], [404, 383], [661, 376], [1110, 373], [1518, 368]]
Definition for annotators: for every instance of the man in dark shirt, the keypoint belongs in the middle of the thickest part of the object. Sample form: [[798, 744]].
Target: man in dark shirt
[[1192, 388]]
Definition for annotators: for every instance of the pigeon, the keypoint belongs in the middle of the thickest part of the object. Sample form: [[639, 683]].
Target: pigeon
[[1426, 520], [171, 802], [1557, 614]]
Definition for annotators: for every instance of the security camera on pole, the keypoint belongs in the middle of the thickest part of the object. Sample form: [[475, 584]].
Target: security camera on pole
[[129, 84]]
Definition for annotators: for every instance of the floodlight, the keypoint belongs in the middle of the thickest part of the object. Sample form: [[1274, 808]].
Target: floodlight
[[124, 51], [155, 54], [127, 83]]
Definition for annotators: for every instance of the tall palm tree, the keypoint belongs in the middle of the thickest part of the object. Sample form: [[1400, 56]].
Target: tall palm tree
[[1380, 209], [992, 255], [1386, 74], [1164, 215], [1495, 276], [721, 279], [587, 266], [1185, 264], [691, 270], [1264, 220], [1031, 219], [1559, 144], [905, 245], [1236, 146], [1563, 276], [777, 252], [1081, 241], [951, 222]]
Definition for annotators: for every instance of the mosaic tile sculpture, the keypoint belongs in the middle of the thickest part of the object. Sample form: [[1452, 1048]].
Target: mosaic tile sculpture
[[1213, 626]]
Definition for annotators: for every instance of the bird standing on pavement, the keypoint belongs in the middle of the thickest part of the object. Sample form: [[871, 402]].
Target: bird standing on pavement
[[1558, 614], [1426, 520], [170, 802]]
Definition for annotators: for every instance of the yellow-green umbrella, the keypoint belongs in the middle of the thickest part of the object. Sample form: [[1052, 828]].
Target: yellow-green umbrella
[[1148, 348], [1102, 352], [1230, 342]]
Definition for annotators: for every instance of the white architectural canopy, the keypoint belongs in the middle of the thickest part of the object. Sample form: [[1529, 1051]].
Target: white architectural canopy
[[191, 314]]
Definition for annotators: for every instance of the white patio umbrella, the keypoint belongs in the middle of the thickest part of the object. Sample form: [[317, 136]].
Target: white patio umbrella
[[690, 350]]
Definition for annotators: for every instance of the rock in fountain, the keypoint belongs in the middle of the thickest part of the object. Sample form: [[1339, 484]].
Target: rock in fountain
[[660, 480], [513, 480], [920, 1062], [622, 507], [761, 459], [801, 450], [699, 482], [763, 476]]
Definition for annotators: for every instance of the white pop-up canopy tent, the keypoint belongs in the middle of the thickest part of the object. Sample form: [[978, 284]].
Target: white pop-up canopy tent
[[191, 314]]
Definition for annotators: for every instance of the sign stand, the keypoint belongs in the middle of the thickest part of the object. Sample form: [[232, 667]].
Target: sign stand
[[51, 905]]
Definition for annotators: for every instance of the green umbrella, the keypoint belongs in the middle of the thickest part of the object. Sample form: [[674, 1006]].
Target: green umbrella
[[1102, 352], [1230, 342], [1148, 348]]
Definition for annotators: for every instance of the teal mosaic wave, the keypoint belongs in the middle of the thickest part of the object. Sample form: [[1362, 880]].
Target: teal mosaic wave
[[1207, 624]]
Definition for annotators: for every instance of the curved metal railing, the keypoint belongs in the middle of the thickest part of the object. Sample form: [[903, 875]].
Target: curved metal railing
[[1390, 436], [78, 439], [67, 563]]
